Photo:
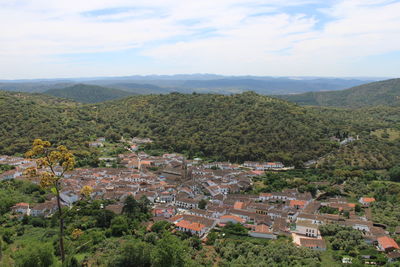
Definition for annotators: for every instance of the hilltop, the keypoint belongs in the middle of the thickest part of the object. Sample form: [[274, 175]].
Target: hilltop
[[256, 127], [26, 116], [88, 93], [372, 94], [237, 128]]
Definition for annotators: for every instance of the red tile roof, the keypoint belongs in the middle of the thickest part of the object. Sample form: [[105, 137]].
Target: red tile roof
[[190, 225], [387, 242], [175, 218], [238, 205], [294, 203], [22, 204], [262, 228], [233, 217], [368, 199]]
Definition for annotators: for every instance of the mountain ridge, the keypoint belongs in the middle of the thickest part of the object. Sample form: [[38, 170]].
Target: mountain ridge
[[88, 93], [385, 93]]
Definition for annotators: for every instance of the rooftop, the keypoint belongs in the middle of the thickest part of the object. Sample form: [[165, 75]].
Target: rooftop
[[190, 225]]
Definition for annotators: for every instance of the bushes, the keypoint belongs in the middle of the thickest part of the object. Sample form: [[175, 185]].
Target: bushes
[[169, 251], [235, 229], [343, 238], [134, 253], [160, 226], [119, 226], [394, 174], [8, 235], [35, 255], [37, 222], [256, 253]]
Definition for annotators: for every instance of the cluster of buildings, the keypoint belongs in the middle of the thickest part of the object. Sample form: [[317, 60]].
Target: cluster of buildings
[[18, 164], [197, 197]]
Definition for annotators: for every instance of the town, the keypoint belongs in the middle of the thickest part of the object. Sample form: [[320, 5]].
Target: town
[[198, 197]]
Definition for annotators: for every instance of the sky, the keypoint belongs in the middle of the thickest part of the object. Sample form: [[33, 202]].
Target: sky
[[88, 38]]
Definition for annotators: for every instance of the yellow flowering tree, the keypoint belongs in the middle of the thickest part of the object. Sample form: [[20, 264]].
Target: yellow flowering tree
[[76, 233], [86, 191], [52, 162]]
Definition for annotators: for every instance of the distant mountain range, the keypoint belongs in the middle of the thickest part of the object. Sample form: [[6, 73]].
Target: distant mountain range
[[88, 93], [304, 91], [201, 83], [385, 93]]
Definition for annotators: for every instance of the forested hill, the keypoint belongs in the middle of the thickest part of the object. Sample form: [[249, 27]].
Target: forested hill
[[240, 127], [372, 94], [24, 117], [88, 93]]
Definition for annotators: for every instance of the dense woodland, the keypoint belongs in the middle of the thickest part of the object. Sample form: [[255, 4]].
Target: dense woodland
[[372, 94], [236, 128]]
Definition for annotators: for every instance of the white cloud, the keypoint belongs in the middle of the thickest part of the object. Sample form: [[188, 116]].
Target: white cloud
[[172, 34]]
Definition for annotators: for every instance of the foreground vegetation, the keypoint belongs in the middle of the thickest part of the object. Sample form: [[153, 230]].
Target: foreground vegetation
[[99, 237]]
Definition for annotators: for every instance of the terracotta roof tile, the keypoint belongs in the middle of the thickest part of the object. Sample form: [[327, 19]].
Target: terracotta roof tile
[[191, 225], [387, 242]]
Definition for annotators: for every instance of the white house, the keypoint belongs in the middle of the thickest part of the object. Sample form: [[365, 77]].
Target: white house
[[307, 228], [192, 227]]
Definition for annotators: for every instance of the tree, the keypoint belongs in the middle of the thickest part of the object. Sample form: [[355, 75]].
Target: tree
[[211, 237], [52, 162], [112, 136], [35, 255], [394, 174], [202, 204], [8, 235], [357, 208], [160, 226], [119, 225], [170, 251], [346, 214], [134, 253], [104, 218], [131, 207], [235, 228], [144, 204], [195, 242], [86, 191]]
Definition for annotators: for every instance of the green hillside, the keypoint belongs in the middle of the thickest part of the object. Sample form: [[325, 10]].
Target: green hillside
[[378, 146], [372, 94], [24, 117], [239, 127], [88, 93]]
